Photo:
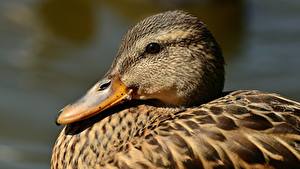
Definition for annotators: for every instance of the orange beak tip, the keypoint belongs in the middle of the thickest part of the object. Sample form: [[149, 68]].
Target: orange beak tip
[[57, 123], [58, 117]]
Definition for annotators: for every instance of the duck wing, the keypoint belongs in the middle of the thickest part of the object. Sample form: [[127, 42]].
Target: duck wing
[[244, 129]]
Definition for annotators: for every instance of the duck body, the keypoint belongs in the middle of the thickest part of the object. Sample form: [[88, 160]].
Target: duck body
[[162, 105], [243, 129]]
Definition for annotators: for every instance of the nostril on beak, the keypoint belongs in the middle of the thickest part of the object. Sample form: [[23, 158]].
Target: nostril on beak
[[104, 85]]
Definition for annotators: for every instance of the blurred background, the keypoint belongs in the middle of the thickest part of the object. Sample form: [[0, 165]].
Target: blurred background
[[52, 51]]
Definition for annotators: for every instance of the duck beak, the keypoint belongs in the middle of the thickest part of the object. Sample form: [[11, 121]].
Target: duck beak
[[104, 94]]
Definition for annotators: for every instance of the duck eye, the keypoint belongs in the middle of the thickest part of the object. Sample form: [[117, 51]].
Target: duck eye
[[153, 48]]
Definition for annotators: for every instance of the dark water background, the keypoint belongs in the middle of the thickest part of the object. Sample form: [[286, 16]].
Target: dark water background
[[51, 51]]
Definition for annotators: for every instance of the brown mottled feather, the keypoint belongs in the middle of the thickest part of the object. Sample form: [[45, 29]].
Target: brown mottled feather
[[244, 129]]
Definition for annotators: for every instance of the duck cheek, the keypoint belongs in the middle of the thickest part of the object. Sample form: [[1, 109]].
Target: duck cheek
[[141, 94]]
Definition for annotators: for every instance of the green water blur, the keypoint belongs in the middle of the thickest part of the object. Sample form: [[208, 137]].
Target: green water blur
[[52, 51]]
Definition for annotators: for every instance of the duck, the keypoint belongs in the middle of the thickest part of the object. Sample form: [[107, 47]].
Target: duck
[[162, 105]]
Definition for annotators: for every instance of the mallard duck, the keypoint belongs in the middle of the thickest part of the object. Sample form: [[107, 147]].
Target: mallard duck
[[162, 105]]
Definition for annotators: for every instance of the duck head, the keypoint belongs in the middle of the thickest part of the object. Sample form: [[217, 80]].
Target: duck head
[[170, 57]]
